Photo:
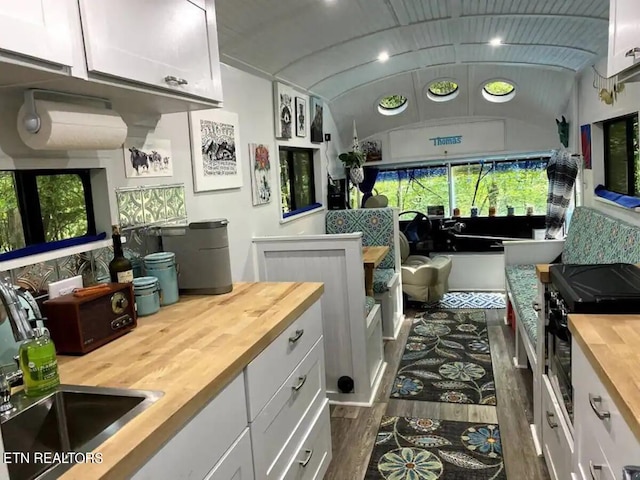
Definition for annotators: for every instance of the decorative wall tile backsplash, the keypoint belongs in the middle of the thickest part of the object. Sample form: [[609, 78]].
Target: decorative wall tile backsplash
[[36, 277], [150, 205]]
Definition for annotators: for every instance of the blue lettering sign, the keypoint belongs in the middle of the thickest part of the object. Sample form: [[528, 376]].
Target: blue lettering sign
[[452, 140]]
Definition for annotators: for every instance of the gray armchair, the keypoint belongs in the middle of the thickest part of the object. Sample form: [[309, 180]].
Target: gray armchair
[[424, 279]]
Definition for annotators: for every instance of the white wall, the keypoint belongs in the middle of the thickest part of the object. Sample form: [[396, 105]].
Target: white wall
[[519, 137], [592, 110], [251, 98]]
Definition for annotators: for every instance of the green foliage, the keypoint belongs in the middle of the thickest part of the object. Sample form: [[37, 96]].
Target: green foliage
[[393, 101], [443, 88], [517, 188], [352, 159], [499, 88]]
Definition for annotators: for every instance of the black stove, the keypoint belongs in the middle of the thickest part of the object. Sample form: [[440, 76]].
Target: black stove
[[607, 288], [589, 289]]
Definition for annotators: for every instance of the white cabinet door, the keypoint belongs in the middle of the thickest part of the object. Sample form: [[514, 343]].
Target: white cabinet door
[[237, 463], [165, 43], [624, 35], [38, 29]]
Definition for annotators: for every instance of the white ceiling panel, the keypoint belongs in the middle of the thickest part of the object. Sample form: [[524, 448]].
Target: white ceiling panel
[[331, 48]]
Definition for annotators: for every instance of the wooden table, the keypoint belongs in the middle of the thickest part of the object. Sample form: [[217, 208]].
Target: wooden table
[[371, 258]]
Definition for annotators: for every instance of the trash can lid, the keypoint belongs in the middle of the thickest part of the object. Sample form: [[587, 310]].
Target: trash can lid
[[213, 223]]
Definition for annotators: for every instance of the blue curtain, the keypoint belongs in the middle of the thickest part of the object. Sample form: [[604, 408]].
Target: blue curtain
[[366, 187]]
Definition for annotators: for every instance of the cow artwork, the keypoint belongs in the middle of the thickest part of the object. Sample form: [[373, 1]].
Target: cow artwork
[[150, 158]]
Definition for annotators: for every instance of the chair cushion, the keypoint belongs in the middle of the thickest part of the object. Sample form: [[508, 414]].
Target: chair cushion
[[381, 278], [369, 303], [523, 284], [594, 237]]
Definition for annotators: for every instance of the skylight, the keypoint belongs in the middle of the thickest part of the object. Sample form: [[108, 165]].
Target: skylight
[[498, 91], [443, 90], [393, 105]]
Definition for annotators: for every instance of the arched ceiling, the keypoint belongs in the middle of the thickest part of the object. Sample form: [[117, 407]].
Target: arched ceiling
[[330, 47]]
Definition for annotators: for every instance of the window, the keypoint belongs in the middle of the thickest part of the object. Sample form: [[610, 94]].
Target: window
[[297, 181], [415, 188], [621, 158], [41, 206], [514, 183], [498, 91], [443, 90], [393, 105]]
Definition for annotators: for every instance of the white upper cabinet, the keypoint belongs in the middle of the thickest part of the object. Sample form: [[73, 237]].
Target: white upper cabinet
[[37, 28], [171, 44], [624, 35]]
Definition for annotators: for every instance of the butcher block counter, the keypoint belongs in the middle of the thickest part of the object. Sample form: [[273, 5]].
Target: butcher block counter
[[190, 351], [611, 344]]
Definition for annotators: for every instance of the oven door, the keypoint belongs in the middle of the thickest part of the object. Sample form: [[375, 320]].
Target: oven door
[[559, 370]]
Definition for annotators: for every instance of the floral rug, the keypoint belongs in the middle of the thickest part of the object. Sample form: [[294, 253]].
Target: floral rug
[[426, 449], [447, 359], [469, 300]]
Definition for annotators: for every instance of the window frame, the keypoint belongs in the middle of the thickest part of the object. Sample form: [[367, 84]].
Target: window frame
[[631, 173], [295, 210], [30, 208]]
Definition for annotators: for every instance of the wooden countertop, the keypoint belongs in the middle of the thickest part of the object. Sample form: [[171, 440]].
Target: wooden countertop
[[610, 343], [190, 351], [542, 270]]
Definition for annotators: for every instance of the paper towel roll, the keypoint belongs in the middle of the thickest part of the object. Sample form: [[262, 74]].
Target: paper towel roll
[[65, 126]]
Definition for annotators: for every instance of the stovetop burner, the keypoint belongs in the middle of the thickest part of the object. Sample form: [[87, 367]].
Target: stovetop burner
[[601, 288]]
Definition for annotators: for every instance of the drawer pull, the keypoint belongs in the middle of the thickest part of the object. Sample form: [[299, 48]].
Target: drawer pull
[[170, 79], [550, 421], [593, 469], [536, 306], [297, 336], [594, 401], [305, 462], [182, 81], [301, 381], [633, 52]]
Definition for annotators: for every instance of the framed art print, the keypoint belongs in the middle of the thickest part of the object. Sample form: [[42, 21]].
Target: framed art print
[[283, 109], [261, 187], [216, 159], [301, 117], [148, 157], [316, 116]]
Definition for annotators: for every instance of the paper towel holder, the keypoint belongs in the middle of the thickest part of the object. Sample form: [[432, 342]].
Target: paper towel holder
[[31, 117]]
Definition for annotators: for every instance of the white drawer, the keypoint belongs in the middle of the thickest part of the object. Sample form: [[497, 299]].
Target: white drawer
[[314, 455], [237, 463], [591, 461], [557, 444], [616, 439], [266, 373], [195, 449], [279, 422]]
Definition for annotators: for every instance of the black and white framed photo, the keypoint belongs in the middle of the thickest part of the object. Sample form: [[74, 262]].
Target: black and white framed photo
[[216, 159], [317, 112], [301, 117], [284, 110], [148, 157]]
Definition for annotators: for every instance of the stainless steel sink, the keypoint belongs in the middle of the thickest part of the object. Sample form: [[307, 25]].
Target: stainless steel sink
[[73, 419]]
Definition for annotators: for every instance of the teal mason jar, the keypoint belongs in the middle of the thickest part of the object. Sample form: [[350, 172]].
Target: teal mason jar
[[147, 293], [162, 265]]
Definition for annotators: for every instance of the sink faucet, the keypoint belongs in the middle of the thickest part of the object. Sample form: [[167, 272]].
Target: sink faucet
[[22, 331]]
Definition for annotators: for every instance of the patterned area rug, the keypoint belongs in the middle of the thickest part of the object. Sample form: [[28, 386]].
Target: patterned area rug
[[425, 449], [447, 359], [458, 300]]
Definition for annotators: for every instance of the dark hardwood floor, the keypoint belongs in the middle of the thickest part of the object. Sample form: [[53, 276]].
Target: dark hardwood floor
[[353, 429]]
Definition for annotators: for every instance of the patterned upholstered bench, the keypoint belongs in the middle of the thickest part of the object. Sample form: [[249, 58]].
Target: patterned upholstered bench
[[593, 237], [379, 226]]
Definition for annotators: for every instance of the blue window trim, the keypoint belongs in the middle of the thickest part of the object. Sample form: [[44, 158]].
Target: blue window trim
[[293, 213], [50, 246]]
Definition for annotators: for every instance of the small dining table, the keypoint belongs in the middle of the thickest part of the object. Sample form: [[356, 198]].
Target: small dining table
[[371, 258]]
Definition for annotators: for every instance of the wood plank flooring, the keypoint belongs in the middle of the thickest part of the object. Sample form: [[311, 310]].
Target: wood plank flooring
[[353, 429]]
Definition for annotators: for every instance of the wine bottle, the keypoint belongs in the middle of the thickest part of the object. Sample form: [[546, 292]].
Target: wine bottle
[[120, 267]]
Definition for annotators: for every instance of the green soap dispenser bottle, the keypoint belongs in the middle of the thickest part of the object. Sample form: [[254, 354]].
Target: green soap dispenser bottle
[[39, 365]]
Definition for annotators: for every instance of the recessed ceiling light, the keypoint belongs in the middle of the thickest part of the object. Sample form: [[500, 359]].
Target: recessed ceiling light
[[383, 57], [494, 42]]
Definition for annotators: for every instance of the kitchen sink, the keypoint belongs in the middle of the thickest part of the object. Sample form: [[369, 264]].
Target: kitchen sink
[[41, 432]]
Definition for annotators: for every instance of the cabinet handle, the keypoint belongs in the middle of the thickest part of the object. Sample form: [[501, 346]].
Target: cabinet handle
[[536, 306], [633, 52], [550, 421], [592, 470], [594, 400], [182, 81], [305, 462], [301, 381], [172, 80], [297, 336]]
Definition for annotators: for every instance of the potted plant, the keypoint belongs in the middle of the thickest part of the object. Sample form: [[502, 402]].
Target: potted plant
[[353, 161]]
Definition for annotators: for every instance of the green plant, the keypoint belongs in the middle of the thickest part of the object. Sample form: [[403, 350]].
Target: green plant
[[352, 159]]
